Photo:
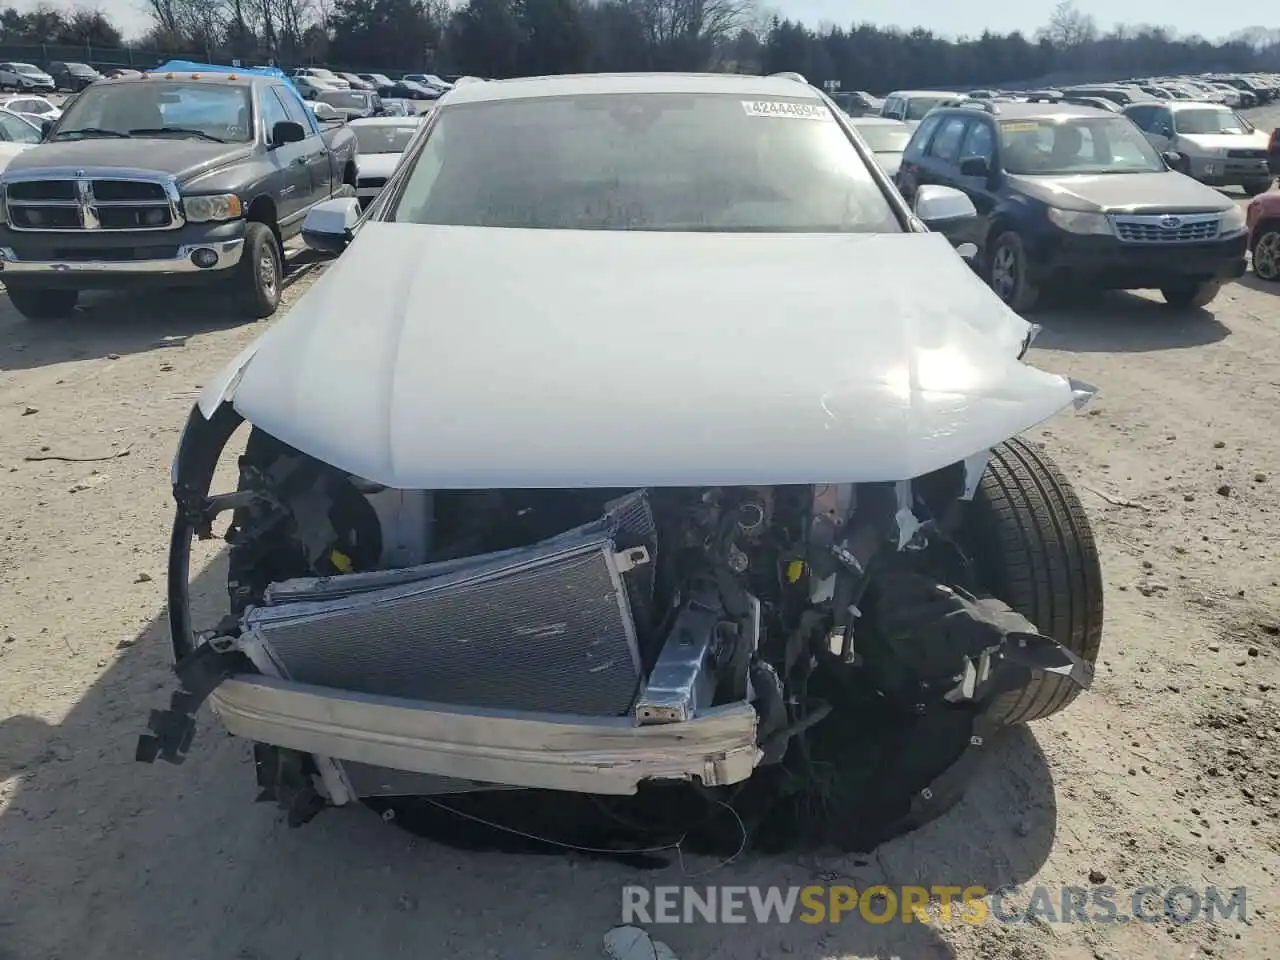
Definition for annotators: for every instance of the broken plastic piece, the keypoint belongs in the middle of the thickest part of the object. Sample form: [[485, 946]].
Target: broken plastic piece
[[633, 943], [1081, 392]]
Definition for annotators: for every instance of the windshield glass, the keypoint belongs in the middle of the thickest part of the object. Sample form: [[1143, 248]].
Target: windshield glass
[[679, 162], [384, 137], [885, 138], [917, 107], [346, 98], [1047, 147], [161, 108], [1209, 120]]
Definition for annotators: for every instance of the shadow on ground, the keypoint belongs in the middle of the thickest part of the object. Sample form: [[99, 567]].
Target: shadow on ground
[[1123, 323], [108, 858], [124, 323], [1251, 281]]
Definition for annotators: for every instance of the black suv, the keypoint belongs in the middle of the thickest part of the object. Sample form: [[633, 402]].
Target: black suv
[[1069, 194]]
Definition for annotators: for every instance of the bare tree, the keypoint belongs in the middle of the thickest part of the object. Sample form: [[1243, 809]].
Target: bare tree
[[1069, 27]]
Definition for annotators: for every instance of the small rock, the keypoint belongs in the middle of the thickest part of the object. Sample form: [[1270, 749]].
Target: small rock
[[10, 639], [143, 578], [1147, 565], [1188, 497], [166, 368], [28, 411], [1219, 858], [1259, 478], [1218, 466], [1218, 444], [102, 662], [1097, 876], [1252, 651], [1132, 773], [78, 488], [1224, 490], [126, 643], [113, 356]]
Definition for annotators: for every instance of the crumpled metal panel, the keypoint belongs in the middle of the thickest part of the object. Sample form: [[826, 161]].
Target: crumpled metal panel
[[545, 628]]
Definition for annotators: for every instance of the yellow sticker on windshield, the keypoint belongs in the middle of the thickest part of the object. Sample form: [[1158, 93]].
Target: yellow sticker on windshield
[[781, 108], [1019, 127]]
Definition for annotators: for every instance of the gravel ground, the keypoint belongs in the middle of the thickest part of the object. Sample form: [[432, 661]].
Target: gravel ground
[[1165, 774]]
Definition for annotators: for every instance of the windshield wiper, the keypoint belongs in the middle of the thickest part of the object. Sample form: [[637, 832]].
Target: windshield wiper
[[90, 132], [177, 131]]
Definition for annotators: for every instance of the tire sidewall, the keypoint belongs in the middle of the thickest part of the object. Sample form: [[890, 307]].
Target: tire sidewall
[[1022, 294], [260, 240], [1272, 236]]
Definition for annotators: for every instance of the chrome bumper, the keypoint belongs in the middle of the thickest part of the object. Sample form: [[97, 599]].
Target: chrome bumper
[[603, 755], [228, 255]]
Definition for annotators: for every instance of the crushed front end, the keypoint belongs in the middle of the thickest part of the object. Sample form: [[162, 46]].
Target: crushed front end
[[388, 643]]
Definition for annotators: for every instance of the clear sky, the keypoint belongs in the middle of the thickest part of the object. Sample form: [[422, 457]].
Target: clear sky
[[950, 17]]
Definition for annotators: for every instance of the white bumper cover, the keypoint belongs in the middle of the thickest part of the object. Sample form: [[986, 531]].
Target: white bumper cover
[[603, 755]]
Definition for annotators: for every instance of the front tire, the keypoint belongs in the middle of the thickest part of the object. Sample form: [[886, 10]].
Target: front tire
[[260, 272], [1191, 294], [1008, 273], [1255, 187], [36, 303], [1266, 253], [1034, 549]]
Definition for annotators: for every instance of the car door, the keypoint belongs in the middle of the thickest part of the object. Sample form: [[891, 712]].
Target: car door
[[289, 159], [979, 143], [316, 158], [941, 161], [909, 169]]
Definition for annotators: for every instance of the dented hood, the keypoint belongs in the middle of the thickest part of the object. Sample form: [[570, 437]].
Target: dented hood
[[458, 357]]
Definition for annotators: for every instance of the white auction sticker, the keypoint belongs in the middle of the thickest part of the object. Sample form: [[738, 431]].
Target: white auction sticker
[[782, 108]]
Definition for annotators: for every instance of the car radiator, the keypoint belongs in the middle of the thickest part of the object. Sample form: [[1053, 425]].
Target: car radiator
[[551, 627]]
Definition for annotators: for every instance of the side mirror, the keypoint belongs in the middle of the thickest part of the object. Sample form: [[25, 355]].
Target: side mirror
[[287, 131], [45, 127], [945, 210], [329, 226], [975, 167], [1172, 159]]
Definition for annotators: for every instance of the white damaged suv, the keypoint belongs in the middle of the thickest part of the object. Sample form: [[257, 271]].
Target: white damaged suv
[[635, 454]]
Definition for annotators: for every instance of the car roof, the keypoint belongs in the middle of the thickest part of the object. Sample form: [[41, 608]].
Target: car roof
[[1179, 105], [923, 93], [1017, 110], [385, 121], [605, 83]]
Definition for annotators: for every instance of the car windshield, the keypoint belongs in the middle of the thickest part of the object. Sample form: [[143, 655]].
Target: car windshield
[[383, 137], [346, 98], [161, 108], [677, 162], [1209, 120], [917, 107], [1051, 147], [885, 138]]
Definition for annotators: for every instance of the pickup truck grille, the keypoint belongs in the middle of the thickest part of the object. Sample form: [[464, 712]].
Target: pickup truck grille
[[371, 182], [1247, 154], [1167, 228], [92, 203]]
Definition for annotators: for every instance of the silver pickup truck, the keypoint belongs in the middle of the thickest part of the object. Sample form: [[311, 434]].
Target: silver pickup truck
[[168, 179]]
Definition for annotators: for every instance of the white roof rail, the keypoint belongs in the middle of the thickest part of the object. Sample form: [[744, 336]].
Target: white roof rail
[[790, 75]]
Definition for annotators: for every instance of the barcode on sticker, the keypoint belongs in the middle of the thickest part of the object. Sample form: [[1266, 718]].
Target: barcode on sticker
[[782, 108]]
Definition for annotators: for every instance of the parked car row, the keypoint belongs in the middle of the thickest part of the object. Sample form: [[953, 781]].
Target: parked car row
[[1072, 196], [312, 82]]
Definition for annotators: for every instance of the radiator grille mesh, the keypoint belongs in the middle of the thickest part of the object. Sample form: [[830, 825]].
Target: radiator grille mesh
[[545, 628]]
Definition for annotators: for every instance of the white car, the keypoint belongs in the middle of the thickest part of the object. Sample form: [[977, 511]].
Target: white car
[[324, 111], [17, 133], [327, 77], [621, 450], [38, 108], [24, 76], [381, 141]]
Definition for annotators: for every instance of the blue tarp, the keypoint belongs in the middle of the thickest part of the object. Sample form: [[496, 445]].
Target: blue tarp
[[190, 66]]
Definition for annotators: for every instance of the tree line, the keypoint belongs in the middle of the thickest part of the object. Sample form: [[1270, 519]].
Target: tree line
[[504, 38]]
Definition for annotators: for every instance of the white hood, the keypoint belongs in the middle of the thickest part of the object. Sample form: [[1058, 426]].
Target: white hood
[[377, 164], [459, 357]]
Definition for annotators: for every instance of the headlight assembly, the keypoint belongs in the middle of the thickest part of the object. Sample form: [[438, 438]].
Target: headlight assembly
[[221, 206], [1075, 221], [1232, 220]]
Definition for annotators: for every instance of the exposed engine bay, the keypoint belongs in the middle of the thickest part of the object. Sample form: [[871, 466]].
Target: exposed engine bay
[[651, 607]]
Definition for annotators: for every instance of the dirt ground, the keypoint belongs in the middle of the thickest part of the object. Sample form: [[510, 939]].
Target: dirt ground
[[1165, 774]]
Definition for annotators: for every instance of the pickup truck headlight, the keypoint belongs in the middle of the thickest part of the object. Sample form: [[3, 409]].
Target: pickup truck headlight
[[1075, 221], [1233, 220], [222, 206]]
